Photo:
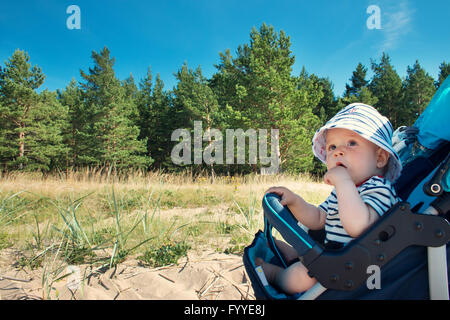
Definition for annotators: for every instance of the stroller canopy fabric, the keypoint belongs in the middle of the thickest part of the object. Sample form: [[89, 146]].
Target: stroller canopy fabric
[[433, 122]]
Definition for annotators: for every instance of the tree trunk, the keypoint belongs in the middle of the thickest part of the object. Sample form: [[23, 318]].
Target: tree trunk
[[73, 146], [21, 144]]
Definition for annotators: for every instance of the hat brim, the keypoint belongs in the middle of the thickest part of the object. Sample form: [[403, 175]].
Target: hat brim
[[319, 148]]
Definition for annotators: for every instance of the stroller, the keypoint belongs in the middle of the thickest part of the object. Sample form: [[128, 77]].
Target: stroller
[[403, 255]]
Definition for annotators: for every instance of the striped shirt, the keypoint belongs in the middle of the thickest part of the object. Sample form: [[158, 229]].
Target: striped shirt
[[377, 192]]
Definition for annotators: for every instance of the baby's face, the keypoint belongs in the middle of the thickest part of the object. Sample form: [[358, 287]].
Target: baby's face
[[348, 149]]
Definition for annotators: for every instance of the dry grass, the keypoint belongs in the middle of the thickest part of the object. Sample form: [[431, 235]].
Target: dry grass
[[89, 217]]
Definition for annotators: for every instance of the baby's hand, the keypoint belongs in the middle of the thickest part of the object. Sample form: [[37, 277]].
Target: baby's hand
[[336, 175], [287, 196]]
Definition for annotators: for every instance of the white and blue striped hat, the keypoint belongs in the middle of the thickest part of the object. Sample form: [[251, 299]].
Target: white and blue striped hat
[[367, 122]]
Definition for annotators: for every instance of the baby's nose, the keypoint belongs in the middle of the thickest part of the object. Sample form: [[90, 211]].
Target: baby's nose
[[339, 151]]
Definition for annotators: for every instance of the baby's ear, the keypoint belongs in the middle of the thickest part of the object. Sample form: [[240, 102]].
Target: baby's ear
[[382, 157]]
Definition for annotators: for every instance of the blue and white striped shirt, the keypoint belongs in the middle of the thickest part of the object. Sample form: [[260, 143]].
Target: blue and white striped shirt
[[377, 192]]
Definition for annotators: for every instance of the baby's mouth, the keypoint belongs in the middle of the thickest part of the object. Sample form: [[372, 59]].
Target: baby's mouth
[[340, 164]]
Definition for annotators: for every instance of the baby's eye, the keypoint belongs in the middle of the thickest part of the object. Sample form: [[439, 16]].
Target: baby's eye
[[352, 143], [331, 147]]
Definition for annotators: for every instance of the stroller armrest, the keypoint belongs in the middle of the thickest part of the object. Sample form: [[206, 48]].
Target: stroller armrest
[[282, 219]]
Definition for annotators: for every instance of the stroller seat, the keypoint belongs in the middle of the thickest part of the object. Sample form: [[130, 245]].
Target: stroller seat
[[397, 241], [407, 246]]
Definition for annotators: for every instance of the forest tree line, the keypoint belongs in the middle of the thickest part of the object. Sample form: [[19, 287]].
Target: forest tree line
[[115, 124]]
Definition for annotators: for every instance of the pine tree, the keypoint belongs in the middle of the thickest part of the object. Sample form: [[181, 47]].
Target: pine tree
[[131, 96], [72, 98], [228, 85], [195, 96], [45, 149], [195, 101], [444, 72], [7, 135], [18, 99], [358, 90], [145, 120], [160, 140], [303, 124], [358, 81], [327, 106], [386, 85], [154, 119], [259, 90], [109, 134], [418, 90]]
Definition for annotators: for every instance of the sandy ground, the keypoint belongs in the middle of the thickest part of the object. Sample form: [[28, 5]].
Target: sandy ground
[[199, 276]]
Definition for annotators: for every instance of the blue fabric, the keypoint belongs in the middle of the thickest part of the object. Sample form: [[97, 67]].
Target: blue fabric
[[433, 123], [446, 181], [260, 249]]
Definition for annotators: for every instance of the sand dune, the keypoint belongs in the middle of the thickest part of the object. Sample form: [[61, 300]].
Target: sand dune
[[199, 276]]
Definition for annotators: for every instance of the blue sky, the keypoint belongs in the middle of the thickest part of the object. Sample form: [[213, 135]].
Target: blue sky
[[328, 37]]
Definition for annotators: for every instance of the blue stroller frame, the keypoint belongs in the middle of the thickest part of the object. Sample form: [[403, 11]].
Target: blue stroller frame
[[408, 244]]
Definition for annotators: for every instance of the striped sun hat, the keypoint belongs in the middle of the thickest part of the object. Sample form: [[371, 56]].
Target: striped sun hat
[[367, 122]]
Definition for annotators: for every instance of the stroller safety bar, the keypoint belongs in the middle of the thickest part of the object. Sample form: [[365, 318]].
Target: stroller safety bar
[[281, 218]]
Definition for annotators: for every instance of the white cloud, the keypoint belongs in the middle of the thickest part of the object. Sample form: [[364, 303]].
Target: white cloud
[[397, 23]]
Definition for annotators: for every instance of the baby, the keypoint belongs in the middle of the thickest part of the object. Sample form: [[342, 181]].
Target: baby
[[356, 147]]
